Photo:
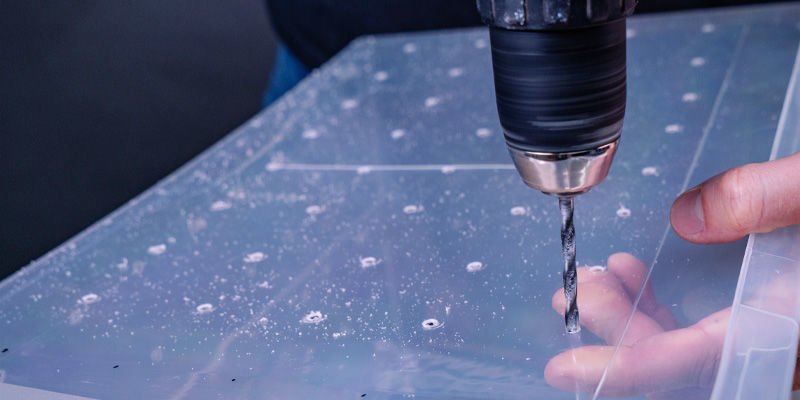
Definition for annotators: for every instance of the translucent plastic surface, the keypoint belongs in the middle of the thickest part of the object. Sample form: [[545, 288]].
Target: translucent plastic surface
[[367, 235], [761, 345]]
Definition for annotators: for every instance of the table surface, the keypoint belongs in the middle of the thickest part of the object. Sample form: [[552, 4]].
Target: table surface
[[367, 234]]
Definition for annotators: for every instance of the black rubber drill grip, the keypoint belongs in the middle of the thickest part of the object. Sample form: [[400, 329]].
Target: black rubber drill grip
[[560, 90]]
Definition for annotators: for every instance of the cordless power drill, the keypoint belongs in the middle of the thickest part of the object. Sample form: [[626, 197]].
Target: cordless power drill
[[560, 82]]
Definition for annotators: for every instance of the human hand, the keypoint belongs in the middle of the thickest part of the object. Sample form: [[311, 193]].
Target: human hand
[[753, 198], [655, 357]]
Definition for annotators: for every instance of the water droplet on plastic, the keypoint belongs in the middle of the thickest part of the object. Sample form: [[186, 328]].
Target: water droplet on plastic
[[264, 285], [363, 170], [630, 33], [480, 43], [690, 97], [409, 48], [475, 266], [431, 324], [623, 212], [708, 28], [448, 169], [398, 133], [598, 268], [313, 317]]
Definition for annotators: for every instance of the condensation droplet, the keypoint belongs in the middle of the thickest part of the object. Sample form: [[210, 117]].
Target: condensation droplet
[[649, 171], [313, 210], [483, 132], [409, 48], [708, 28], [89, 299], [369, 262], [475, 266], [221, 205], [431, 324], [398, 133], [432, 101], [690, 97], [263, 321], [204, 308], [673, 128], [455, 72], [381, 76], [598, 268], [274, 166], [349, 104], [518, 210], [264, 285], [697, 62], [255, 257], [412, 209], [630, 33], [157, 249], [480, 43], [623, 212], [363, 170], [310, 134], [313, 317]]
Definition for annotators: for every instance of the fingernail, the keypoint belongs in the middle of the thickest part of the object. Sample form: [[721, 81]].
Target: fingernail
[[687, 213]]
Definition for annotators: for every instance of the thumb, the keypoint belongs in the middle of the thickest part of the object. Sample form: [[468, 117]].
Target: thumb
[[753, 198]]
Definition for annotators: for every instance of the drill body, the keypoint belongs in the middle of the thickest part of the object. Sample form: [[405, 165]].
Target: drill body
[[560, 82]]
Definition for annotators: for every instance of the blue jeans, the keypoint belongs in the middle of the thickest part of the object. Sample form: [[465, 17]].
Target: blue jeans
[[286, 73]]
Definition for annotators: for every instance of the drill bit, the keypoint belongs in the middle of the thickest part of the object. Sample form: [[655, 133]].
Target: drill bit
[[567, 206]]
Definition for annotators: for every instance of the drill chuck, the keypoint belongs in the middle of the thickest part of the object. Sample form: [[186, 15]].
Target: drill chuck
[[560, 83], [560, 91]]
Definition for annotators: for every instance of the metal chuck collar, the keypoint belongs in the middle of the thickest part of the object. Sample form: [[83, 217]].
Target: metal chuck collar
[[564, 174]]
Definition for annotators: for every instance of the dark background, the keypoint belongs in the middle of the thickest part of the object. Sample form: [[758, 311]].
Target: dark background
[[100, 99]]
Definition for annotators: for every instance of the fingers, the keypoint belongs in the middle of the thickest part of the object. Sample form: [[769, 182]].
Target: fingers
[[605, 307], [632, 272], [749, 199], [668, 361]]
